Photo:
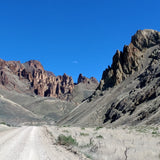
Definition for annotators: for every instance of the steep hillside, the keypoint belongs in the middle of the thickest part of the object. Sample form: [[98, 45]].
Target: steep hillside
[[129, 91], [13, 113], [18, 108]]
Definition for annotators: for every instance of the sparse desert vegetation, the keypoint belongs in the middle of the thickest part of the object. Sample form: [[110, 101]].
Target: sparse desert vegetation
[[101, 143], [84, 134], [66, 140], [99, 136]]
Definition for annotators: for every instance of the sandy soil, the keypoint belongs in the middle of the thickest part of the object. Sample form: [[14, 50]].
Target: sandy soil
[[40, 143]]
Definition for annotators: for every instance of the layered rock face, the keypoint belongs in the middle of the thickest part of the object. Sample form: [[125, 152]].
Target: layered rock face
[[41, 82], [127, 62]]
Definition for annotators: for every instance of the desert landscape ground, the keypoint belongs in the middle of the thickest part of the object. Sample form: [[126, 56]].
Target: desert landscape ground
[[98, 143]]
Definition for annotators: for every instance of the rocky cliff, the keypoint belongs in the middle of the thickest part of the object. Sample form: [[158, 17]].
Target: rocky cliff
[[127, 62], [31, 77]]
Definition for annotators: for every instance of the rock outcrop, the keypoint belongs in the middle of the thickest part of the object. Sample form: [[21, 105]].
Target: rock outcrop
[[147, 91], [41, 82], [83, 79], [127, 62], [30, 77], [145, 39]]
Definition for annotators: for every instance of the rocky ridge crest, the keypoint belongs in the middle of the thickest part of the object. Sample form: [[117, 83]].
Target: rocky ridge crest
[[127, 62], [83, 79], [41, 82]]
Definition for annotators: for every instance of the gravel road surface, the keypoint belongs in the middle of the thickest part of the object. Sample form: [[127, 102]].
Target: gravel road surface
[[31, 143]]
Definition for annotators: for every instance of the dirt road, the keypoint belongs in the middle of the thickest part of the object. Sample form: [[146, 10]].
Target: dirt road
[[31, 143]]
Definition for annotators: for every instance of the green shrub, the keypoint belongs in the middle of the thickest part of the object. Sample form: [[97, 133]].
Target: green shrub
[[84, 134], [66, 125], [99, 136], [3, 123], [154, 132], [66, 140], [97, 128]]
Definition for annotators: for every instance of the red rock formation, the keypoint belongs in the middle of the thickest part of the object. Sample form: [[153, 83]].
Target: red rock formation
[[43, 83]]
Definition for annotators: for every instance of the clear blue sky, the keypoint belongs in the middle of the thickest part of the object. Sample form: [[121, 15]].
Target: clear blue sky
[[72, 36]]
